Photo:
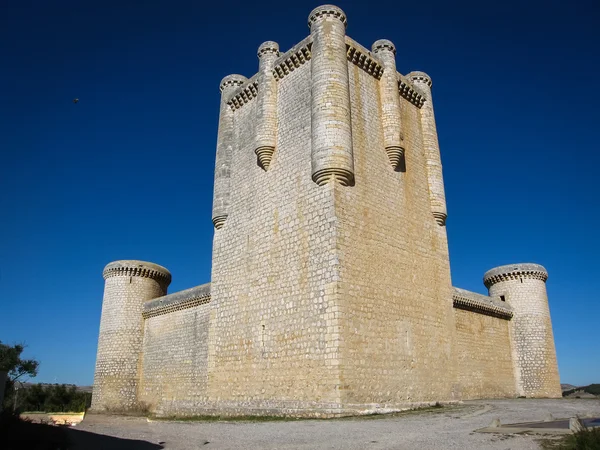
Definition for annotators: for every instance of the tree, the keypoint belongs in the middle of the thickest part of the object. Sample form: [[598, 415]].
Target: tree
[[11, 362]]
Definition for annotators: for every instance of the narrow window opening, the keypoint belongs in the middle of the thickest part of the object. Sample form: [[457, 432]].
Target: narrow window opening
[[503, 298]]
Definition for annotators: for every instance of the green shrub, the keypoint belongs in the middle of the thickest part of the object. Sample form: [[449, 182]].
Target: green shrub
[[587, 439]]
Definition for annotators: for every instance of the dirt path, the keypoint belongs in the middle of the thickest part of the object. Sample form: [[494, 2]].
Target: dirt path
[[444, 428]]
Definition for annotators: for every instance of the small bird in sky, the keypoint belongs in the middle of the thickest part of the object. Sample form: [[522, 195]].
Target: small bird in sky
[[75, 100]]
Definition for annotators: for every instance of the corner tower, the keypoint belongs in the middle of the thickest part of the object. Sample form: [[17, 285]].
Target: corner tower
[[523, 287], [128, 284]]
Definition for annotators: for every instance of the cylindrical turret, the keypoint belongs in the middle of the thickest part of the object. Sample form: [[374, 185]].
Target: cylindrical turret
[[266, 115], [128, 285], [523, 287], [225, 141], [331, 156], [422, 82], [390, 102]]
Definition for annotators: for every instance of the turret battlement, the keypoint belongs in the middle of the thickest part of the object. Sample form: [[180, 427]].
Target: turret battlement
[[134, 268], [383, 45], [326, 11], [268, 48], [513, 272], [232, 81], [420, 77]]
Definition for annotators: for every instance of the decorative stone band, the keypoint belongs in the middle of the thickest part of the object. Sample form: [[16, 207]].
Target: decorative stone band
[[327, 11], [361, 57], [409, 93], [189, 298], [301, 54], [292, 59], [342, 176], [244, 94], [481, 304], [134, 268], [514, 272]]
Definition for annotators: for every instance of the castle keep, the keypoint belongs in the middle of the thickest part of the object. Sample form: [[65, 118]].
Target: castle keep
[[330, 290]]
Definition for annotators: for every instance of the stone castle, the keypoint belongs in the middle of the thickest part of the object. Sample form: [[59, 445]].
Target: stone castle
[[330, 290]]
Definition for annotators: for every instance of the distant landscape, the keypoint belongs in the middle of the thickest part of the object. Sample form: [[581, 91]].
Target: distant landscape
[[43, 397], [589, 391]]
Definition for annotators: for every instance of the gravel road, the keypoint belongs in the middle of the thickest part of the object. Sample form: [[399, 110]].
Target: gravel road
[[439, 428]]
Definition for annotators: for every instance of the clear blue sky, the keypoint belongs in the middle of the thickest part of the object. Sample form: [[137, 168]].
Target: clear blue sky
[[128, 171]]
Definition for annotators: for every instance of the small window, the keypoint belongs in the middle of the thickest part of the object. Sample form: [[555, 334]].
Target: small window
[[503, 298]]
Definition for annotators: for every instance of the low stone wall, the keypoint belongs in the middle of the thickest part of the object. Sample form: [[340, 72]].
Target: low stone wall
[[174, 359], [485, 366]]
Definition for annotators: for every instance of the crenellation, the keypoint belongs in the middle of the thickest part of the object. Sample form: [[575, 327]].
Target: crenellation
[[132, 268], [514, 272], [189, 298], [326, 12], [481, 304], [361, 57], [330, 290], [291, 60], [408, 92], [243, 94]]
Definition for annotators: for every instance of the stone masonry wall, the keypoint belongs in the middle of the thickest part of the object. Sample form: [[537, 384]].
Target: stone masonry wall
[[174, 362], [271, 342], [397, 323], [483, 352]]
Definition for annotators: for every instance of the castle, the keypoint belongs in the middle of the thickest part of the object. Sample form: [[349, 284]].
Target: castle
[[330, 290]]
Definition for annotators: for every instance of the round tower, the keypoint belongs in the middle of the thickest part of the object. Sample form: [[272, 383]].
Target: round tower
[[390, 102], [128, 284], [225, 143], [266, 114], [523, 287], [331, 122], [437, 195]]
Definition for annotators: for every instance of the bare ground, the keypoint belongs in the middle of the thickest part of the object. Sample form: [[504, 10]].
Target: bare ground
[[439, 428]]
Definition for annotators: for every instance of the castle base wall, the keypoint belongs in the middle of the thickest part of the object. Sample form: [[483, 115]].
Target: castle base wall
[[173, 380], [485, 367]]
